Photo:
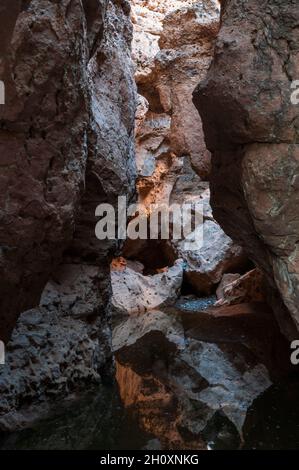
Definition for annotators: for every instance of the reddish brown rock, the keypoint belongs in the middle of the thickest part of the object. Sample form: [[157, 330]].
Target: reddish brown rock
[[173, 45], [66, 130], [172, 49], [251, 128], [226, 280]]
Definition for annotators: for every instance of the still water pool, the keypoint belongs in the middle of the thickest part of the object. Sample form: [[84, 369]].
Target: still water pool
[[98, 421]]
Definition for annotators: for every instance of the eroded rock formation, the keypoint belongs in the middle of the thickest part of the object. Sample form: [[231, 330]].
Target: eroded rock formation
[[66, 138], [172, 49], [251, 128], [134, 293], [180, 38], [189, 369], [67, 145]]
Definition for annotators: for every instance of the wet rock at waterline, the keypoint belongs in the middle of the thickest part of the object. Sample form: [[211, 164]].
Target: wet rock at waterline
[[206, 265], [226, 280], [236, 289], [74, 292], [249, 324], [142, 338]]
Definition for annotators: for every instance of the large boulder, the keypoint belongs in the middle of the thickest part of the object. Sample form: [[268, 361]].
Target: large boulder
[[212, 253], [133, 292], [206, 265]]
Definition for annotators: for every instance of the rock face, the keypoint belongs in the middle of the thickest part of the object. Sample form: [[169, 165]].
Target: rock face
[[251, 128], [66, 138], [247, 288], [172, 49], [67, 145], [205, 266]]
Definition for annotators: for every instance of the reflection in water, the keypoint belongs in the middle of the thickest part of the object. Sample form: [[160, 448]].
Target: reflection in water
[[191, 376], [187, 380], [96, 422], [99, 422]]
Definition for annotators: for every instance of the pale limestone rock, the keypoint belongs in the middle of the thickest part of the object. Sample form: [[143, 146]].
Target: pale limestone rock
[[134, 293]]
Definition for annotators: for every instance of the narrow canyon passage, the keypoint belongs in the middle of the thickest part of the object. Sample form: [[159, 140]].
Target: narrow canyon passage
[[154, 342], [194, 338]]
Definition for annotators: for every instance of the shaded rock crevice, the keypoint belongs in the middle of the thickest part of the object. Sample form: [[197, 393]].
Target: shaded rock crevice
[[193, 349]]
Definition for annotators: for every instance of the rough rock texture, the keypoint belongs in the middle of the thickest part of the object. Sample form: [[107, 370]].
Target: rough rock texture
[[67, 145], [251, 128], [210, 374], [132, 292], [146, 335], [213, 253], [226, 280], [217, 256], [66, 137], [166, 74], [55, 349], [206, 265], [172, 48]]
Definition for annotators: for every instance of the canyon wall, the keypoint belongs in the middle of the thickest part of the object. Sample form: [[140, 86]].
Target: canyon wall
[[66, 139], [251, 128], [66, 145]]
